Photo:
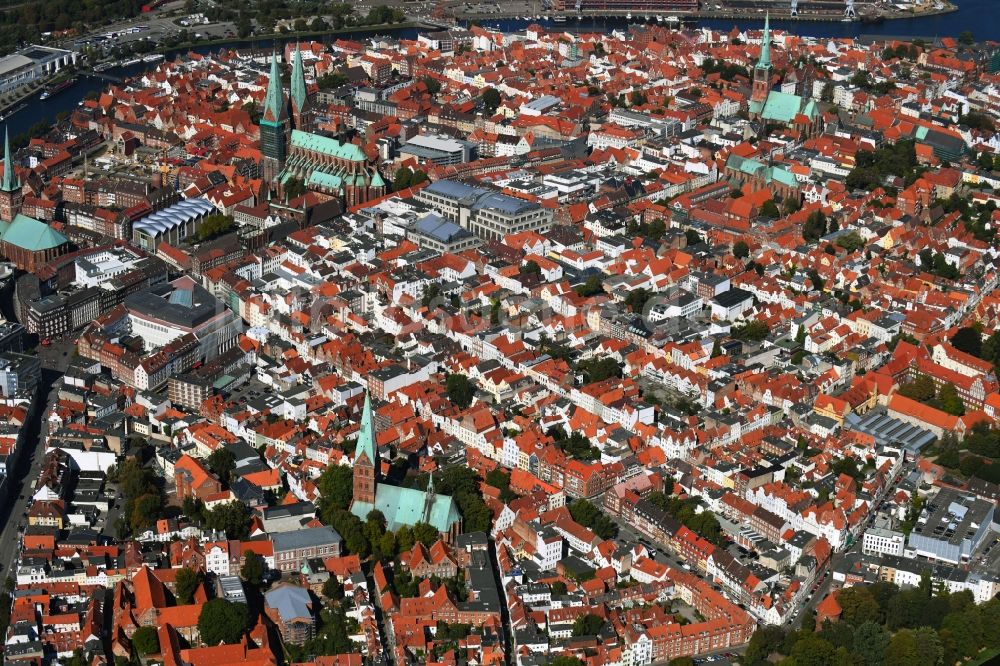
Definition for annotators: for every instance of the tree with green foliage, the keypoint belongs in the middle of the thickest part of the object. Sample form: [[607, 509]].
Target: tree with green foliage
[[214, 226], [425, 534], [969, 340], [811, 650], [146, 641], [770, 209], [977, 121], [460, 390], [500, 479], [146, 509], [949, 400], [598, 369], [185, 585], [588, 515], [253, 569], [462, 485], [692, 237], [591, 287], [870, 642], [766, 640], [851, 242], [564, 660], [587, 625], [557, 588], [233, 518], [433, 85], [402, 179], [222, 621], [336, 489], [920, 388], [817, 281], [294, 188], [741, 250], [636, 299], [331, 80], [531, 267], [754, 331], [222, 462], [490, 99], [815, 226], [578, 446]]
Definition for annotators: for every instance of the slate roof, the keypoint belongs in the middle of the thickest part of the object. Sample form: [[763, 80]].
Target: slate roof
[[290, 601]]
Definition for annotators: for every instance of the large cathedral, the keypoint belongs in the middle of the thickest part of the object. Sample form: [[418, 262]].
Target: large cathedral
[[291, 149], [400, 506], [772, 106]]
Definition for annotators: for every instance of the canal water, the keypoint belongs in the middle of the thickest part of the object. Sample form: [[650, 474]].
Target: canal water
[[979, 16]]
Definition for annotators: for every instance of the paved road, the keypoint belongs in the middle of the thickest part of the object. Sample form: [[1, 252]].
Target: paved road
[[28, 466], [55, 358]]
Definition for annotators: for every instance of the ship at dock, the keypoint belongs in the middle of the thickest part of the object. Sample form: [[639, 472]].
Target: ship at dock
[[56, 88]]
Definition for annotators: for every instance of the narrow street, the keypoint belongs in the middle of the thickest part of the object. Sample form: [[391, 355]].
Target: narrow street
[[26, 470], [20, 478]]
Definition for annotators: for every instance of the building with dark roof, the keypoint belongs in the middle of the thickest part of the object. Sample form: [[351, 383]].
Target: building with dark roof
[[165, 312], [436, 233], [486, 213]]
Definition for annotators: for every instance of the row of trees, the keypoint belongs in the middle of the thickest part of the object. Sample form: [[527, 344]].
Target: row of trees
[[588, 515], [705, 524], [978, 455], [142, 498], [883, 625], [233, 518], [923, 389]]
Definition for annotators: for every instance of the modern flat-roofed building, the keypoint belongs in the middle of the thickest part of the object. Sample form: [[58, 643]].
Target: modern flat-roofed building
[[486, 213], [440, 150], [32, 63], [165, 312], [435, 233], [950, 527]]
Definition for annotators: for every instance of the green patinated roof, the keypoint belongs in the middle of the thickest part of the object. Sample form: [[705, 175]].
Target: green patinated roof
[[322, 179], [366, 437], [755, 107], [745, 164], [298, 81], [377, 180], [765, 44], [409, 506], [327, 146], [30, 234], [10, 182], [274, 100], [782, 176], [921, 133], [781, 107]]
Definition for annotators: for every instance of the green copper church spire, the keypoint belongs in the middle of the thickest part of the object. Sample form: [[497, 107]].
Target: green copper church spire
[[765, 44], [298, 81], [9, 176], [366, 437], [274, 106]]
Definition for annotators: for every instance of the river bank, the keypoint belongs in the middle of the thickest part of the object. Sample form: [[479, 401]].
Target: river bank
[[291, 36], [782, 12]]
